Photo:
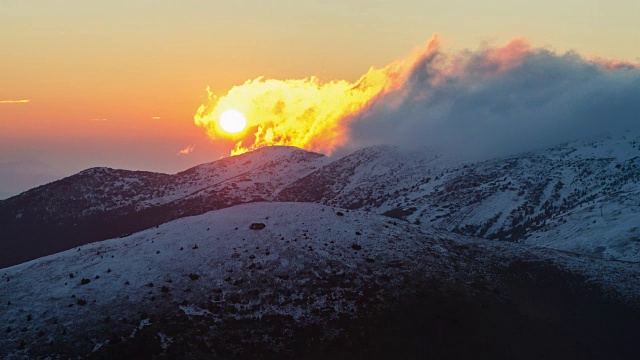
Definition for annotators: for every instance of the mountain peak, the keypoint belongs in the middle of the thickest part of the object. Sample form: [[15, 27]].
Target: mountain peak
[[95, 170]]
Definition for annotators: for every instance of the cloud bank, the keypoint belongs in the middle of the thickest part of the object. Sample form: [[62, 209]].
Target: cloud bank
[[480, 103], [500, 101]]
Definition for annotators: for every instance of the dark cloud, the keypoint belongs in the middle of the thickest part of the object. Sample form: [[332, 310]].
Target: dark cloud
[[501, 101]]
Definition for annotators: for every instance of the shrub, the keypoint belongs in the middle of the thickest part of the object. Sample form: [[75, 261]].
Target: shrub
[[257, 226]]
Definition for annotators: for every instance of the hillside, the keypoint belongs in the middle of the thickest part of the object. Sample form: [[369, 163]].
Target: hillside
[[580, 197], [101, 203], [315, 282]]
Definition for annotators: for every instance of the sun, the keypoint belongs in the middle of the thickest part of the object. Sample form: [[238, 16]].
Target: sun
[[232, 121]]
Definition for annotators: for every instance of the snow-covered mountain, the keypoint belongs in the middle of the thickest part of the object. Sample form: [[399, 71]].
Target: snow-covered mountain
[[582, 197], [101, 203], [294, 280]]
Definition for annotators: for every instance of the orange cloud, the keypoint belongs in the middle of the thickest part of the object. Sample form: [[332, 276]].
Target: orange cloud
[[14, 101], [186, 151], [508, 56], [306, 113]]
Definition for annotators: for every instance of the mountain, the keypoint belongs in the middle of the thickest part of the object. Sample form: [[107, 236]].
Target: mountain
[[101, 203], [294, 280], [580, 197]]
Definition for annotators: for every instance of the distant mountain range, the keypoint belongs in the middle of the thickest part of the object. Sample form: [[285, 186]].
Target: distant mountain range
[[580, 197], [19, 176]]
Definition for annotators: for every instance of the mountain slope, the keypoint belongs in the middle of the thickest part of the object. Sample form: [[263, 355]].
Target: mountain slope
[[101, 203], [580, 197], [318, 282]]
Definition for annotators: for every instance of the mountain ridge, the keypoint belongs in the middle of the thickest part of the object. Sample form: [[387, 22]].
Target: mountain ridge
[[578, 197], [528, 197], [101, 203]]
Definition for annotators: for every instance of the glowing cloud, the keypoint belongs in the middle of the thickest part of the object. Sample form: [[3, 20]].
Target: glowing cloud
[[186, 151], [306, 113], [491, 100], [14, 101]]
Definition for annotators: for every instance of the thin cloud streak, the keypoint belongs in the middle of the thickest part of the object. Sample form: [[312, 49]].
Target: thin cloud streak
[[24, 101], [186, 151]]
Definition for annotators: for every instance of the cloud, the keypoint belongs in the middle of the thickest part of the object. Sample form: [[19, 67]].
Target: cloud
[[186, 151], [500, 101], [614, 64], [156, 118], [98, 119], [307, 113], [14, 101], [486, 102]]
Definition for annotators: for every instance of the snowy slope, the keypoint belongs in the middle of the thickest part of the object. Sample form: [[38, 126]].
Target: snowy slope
[[581, 196], [287, 269], [101, 203], [314, 275], [104, 189]]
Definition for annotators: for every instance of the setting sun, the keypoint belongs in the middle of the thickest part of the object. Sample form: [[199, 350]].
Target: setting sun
[[232, 121]]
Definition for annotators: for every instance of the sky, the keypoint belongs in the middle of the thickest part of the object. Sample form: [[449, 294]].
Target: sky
[[118, 83]]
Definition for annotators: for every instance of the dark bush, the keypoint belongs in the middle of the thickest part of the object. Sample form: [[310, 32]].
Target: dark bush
[[194, 277], [257, 226]]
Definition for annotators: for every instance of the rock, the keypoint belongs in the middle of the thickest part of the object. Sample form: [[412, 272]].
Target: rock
[[257, 226]]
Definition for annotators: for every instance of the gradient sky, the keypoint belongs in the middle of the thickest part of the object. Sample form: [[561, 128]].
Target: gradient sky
[[116, 83]]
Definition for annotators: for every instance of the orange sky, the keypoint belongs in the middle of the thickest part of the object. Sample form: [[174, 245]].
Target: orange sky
[[97, 73]]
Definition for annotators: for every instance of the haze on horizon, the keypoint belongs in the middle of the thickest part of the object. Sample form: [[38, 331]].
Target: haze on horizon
[[117, 83]]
